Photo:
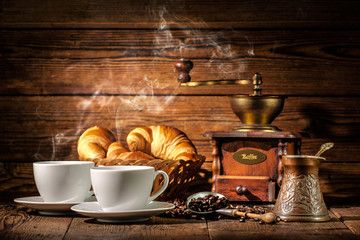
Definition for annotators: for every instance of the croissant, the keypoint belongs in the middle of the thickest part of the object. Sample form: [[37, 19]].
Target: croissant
[[162, 142], [117, 151], [137, 155], [94, 143]]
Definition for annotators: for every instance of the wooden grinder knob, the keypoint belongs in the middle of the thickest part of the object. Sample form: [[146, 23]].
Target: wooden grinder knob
[[183, 67]]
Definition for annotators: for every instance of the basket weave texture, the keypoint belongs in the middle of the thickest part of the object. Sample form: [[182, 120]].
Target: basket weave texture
[[181, 173]]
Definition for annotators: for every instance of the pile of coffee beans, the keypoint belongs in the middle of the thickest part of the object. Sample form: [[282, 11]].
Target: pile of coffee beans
[[208, 203], [179, 211]]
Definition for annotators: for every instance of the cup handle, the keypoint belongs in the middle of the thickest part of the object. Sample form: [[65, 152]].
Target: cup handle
[[164, 186]]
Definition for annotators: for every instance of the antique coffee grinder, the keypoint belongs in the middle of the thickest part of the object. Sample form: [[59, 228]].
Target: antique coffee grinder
[[246, 161]]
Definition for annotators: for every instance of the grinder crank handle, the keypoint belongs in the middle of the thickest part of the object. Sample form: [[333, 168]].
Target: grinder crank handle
[[266, 218], [184, 66]]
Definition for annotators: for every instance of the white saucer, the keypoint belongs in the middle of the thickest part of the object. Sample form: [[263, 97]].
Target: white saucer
[[49, 208], [93, 209]]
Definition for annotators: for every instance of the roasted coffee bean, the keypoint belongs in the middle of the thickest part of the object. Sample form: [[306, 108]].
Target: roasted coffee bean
[[211, 203], [180, 210], [208, 203]]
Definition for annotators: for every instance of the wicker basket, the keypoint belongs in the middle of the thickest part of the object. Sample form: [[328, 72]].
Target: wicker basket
[[181, 173]]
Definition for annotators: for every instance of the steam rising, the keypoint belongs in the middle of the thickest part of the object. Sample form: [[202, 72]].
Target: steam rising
[[176, 37], [189, 37]]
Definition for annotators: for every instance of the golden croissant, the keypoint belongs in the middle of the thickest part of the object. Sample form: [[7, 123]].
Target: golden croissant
[[118, 151], [162, 142], [94, 143], [145, 143], [138, 155], [115, 149], [98, 143]]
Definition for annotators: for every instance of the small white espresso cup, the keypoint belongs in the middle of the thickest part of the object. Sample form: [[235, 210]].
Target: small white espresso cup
[[63, 181], [121, 188]]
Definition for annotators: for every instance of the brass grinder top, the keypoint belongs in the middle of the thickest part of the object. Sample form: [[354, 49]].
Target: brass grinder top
[[256, 111]]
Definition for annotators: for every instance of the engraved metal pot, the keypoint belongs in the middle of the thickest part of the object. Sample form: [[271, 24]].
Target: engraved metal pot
[[300, 198]]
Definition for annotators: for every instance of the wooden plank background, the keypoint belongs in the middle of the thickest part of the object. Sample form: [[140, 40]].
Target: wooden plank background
[[198, 13], [66, 67]]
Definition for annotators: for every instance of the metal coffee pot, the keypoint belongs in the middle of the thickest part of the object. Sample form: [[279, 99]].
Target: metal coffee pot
[[300, 198]]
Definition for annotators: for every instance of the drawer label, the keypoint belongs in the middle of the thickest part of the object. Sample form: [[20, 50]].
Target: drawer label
[[249, 156]]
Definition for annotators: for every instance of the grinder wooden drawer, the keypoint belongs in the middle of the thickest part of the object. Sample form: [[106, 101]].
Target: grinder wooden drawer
[[243, 188]]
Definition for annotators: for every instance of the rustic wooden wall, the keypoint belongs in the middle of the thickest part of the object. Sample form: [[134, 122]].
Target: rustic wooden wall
[[69, 65]]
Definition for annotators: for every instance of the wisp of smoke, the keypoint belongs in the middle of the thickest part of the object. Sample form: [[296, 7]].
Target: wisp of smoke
[[190, 36]]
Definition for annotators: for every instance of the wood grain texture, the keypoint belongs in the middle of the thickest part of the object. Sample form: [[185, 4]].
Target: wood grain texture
[[233, 229], [49, 127], [199, 13], [350, 216], [256, 189], [17, 222], [92, 62], [156, 228], [267, 147]]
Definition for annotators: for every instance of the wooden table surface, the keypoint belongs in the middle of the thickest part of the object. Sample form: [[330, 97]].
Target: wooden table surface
[[18, 222]]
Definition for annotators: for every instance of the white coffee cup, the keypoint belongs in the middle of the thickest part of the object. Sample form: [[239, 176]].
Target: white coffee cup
[[63, 181], [122, 188]]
